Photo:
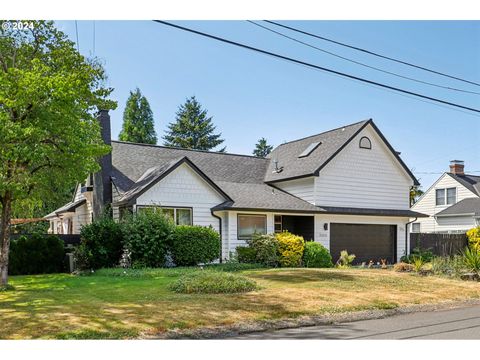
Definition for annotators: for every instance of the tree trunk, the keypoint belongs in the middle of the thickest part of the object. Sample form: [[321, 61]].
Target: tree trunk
[[5, 237]]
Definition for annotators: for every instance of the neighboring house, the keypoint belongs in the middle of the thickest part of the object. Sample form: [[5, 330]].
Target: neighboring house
[[345, 188], [452, 203]]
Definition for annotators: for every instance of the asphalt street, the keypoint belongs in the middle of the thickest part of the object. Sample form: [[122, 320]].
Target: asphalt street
[[460, 323]]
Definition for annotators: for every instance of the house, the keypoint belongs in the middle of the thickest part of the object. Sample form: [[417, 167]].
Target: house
[[452, 203], [346, 188]]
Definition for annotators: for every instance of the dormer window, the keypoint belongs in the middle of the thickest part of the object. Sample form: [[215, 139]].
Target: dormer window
[[365, 143]]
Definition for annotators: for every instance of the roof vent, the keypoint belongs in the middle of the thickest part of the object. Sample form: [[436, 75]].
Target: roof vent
[[277, 169], [309, 149]]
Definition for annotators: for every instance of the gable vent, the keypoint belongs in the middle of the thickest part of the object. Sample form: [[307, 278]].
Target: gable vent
[[309, 149]]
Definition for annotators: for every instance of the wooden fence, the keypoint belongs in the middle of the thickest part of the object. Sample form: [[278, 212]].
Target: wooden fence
[[439, 244]]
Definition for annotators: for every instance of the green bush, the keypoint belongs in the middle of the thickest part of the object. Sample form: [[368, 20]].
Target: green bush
[[36, 254], [290, 249], [473, 236], [191, 245], [266, 249], [425, 255], [212, 282], [316, 255], [101, 244], [346, 259], [471, 258], [246, 255], [146, 236]]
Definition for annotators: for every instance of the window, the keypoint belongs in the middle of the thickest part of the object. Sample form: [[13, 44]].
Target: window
[[251, 224], [278, 223], [181, 216], [440, 197], [415, 227], [445, 196], [365, 143], [451, 196]]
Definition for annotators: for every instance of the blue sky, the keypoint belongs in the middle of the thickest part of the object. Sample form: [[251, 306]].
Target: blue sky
[[251, 95]]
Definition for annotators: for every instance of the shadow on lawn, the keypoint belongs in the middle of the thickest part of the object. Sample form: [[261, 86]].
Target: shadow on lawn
[[302, 276]]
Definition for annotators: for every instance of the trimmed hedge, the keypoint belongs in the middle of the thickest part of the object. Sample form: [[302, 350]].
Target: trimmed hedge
[[246, 255], [147, 236], [101, 244], [36, 254], [194, 244], [290, 249], [265, 248], [316, 255]]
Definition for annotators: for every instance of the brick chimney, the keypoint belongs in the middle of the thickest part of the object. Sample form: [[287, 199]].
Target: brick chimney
[[102, 187], [456, 167]]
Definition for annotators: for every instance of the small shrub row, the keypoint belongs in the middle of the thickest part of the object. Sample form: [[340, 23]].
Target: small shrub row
[[283, 249], [212, 282], [146, 239]]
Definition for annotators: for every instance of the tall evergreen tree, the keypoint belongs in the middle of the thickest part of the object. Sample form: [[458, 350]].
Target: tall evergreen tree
[[192, 129], [138, 123], [262, 149]]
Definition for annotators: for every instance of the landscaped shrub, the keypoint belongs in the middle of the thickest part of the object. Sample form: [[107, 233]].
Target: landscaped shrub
[[345, 259], [425, 255], [191, 245], [473, 236], [101, 244], [403, 267], [36, 254], [212, 282], [266, 249], [471, 258], [146, 236], [316, 255], [246, 255], [290, 249]]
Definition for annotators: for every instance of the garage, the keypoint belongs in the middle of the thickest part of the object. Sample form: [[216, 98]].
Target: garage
[[366, 241]]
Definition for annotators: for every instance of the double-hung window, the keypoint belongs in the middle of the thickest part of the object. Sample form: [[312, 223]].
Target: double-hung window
[[446, 196], [181, 216]]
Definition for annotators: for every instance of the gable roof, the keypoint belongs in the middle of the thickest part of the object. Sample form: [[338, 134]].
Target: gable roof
[[471, 182], [68, 207], [469, 206], [153, 175], [130, 161], [328, 145]]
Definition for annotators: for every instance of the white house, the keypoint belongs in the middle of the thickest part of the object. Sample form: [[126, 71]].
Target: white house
[[346, 188], [452, 203]]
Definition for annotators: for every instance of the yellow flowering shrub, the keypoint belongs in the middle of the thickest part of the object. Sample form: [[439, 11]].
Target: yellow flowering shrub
[[290, 249], [473, 236]]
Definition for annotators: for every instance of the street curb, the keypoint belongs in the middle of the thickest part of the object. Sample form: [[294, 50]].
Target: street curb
[[225, 332]]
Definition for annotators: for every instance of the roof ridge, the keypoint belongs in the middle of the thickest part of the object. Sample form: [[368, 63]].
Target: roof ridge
[[325, 132], [184, 149]]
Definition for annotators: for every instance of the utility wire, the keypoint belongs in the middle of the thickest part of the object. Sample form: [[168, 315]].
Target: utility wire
[[360, 63], [372, 53], [316, 66]]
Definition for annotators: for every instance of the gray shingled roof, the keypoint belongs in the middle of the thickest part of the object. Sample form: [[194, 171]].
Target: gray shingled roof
[[72, 205], [471, 182], [130, 161], [466, 206], [293, 166]]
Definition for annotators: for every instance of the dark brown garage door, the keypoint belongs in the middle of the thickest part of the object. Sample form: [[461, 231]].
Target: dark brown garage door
[[367, 242]]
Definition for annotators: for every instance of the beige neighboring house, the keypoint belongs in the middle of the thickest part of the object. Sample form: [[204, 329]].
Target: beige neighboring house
[[346, 188], [452, 203]]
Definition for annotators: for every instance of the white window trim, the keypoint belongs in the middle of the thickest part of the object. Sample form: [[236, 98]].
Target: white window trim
[[445, 197], [174, 208], [249, 215]]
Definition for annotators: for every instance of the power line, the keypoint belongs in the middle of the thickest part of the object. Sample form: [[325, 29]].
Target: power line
[[315, 66], [372, 53], [360, 63]]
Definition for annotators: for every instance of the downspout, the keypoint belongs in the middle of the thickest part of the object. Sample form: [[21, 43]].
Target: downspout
[[406, 233], [220, 232]]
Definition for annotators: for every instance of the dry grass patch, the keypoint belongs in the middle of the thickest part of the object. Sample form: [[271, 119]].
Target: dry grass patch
[[105, 306]]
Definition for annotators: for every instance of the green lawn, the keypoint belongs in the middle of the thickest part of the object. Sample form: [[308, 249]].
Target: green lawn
[[112, 304]]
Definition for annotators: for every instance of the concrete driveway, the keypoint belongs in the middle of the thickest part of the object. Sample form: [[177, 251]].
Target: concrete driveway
[[460, 323]]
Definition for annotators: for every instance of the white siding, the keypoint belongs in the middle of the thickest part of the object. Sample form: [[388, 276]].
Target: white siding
[[302, 188], [426, 205], [323, 236], [364, 178], [183, 187], [82, 217]]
